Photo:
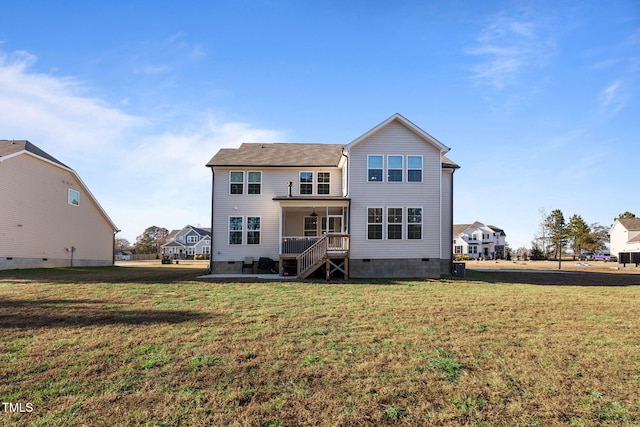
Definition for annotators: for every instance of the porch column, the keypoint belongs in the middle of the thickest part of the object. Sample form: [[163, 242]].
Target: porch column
[[280, 223]]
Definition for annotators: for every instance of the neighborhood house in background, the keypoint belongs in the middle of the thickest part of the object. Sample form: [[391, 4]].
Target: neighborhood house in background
[[478, 241], [380, 206], [190, 242], [625, 236], [49, 218]]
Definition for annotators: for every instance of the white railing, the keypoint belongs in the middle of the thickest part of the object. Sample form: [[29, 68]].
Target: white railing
[[338, 243], [297, 245], [311, 257]]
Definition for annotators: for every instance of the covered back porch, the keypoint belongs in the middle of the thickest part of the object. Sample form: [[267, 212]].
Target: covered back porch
[[314, 231]]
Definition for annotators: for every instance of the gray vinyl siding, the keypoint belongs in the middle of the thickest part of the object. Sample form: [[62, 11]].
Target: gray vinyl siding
[[274, 184], [395, 139], [447, 214]]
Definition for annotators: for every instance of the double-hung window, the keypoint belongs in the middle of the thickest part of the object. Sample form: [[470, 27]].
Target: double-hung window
[[414, 223], [306, 183], [374, 223], [253, 230], [311, 225], [192, 239], [414, 168], [324, 180], [374, 168], [394, 168], [236, 182], [235, 230], [394, 223], [254, 182]]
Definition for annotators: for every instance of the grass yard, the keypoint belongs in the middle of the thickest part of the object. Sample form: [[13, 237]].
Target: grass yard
[[155, 346]]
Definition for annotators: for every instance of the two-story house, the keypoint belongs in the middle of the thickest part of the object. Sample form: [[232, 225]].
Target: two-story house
[[187, 243], [380, 206], [48, 216], [479, 241], [625, 236]]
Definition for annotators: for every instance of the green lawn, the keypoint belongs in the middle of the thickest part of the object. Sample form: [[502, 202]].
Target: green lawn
[[146, 347]]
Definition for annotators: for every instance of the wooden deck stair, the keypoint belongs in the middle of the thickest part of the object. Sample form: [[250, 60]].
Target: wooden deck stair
[[325, 251]]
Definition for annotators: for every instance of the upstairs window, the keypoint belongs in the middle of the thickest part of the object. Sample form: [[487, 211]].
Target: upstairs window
[[236, 182], [414, 168], [374, 168], [324, 179], [73, 198], [192, 239], [394, 168], [254, 182], [306, 182]]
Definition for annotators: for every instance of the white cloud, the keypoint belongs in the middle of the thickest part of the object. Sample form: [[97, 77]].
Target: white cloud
[[507, 45], [612, 99], [143, 170]]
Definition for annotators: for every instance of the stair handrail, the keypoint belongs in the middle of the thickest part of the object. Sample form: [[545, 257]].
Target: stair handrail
[[311, 256]]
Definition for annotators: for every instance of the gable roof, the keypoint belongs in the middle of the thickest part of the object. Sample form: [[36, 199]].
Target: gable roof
[[9, 147], [630, 223], [279, 155], [406, 123], [12, 148]]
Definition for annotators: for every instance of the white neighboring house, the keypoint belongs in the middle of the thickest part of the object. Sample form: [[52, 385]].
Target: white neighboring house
[[188, 242], [380, 206], [625, 236], [479, 241]]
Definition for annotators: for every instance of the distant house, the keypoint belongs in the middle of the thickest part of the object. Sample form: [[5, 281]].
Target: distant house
[[187, 243], [122, 255], [48, 216], [625, 236], [479, 241], [379, 206]]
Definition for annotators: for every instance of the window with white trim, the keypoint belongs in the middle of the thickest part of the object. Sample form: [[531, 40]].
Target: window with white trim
[[311, 225], [236, 182], [192, 239], [394, 223], [324, 182], [374, 223], [374, 168], [235, 230], [457, 250], [73, 197], [253, 230], [414, 223], [394, 168], [414, 168], [206, 249], [306, 183], [254, 182]]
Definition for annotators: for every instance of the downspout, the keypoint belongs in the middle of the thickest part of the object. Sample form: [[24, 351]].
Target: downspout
[[211, 252], [453, 171]]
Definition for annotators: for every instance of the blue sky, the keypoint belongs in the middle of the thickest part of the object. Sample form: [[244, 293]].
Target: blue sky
[[537, 100]]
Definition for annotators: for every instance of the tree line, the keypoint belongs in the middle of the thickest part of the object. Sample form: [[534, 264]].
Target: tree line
[[149, 242], [555, 235]]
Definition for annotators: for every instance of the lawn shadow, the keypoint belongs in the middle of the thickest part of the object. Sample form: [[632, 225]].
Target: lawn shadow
[[109, 274], [554, 278], [55, 313]]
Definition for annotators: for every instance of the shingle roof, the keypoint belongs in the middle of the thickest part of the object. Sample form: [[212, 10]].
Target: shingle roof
[[630, 223], [279, 155], [8, 147], [460, 228]]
